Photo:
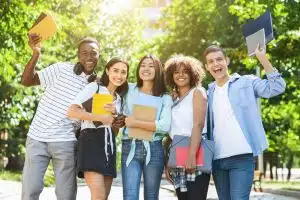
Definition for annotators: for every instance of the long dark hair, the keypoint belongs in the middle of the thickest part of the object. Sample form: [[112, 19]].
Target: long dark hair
[[104, 80], [159, 87]]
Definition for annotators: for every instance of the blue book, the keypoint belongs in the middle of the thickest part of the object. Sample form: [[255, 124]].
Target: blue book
[[262, 22]]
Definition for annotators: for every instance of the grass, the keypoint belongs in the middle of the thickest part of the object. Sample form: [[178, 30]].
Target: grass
[[291, 185], [17, 176], [10, 175]]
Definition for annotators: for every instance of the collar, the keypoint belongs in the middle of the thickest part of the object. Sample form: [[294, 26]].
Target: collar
[[232, 78], [85, 75]]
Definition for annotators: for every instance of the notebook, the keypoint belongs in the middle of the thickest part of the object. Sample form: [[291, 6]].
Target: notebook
[[87, 105], [179, 150], [257, 38], [262, 22], [44, 26], [144, 113], [99, 100], [182, 154]]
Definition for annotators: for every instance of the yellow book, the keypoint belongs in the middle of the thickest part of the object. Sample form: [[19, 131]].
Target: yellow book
[[99, 100], [44, 26]]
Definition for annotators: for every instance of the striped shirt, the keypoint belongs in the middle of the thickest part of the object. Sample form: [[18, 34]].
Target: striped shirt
[[50, 123]]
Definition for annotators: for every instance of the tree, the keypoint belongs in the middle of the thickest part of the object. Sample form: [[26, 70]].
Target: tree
[[117, 33]]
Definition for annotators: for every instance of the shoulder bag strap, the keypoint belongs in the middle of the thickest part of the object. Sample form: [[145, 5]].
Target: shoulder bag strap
[[179, 100]]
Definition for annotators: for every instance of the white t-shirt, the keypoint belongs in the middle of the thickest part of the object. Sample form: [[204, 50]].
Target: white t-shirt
[[228, 135], [88, 93], [50, 122]]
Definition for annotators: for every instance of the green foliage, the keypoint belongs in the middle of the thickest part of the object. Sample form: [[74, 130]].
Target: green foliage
[[16, 103], [119, 34], [10, 175], [49, 179]]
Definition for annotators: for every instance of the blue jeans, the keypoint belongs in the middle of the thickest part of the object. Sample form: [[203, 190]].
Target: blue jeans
[[131, 175], [233, 176]]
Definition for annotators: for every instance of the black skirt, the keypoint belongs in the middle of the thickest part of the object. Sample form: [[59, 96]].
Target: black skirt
[[93, 155]]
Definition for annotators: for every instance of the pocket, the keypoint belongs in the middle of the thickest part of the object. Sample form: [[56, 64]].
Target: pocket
[[29, 141], [126, 145], [157, 149], [244, 91]]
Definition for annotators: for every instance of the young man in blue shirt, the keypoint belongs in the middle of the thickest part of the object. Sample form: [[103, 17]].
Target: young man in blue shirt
[[235, 121]]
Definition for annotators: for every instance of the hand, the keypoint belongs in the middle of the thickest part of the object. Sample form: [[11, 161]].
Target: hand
[[107, 120], [168, 175], [35, 43], [119, 121], [260, 52], [110, 107], [190, 163], [130, 121]]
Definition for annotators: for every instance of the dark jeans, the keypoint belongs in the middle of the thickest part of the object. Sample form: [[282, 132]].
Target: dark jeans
[[131, 174], [233, 176], [195, 190]]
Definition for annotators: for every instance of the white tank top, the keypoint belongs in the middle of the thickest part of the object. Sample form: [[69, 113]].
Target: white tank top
[[182, 116]]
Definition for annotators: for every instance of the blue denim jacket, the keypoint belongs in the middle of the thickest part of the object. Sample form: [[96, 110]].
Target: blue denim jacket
[[243, 92]]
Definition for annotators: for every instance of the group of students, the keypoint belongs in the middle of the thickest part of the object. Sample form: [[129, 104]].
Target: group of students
[[234, 120]]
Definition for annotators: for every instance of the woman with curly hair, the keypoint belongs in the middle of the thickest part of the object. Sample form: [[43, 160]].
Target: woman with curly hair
[[184, 75]]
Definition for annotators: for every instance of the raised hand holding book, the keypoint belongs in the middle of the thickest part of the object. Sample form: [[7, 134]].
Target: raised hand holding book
[[264, 21], [254, 40], [44, 26], [258, 32]]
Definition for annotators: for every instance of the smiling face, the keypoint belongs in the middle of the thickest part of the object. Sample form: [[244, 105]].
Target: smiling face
[[117, 74], [88, 55], [181, 77], [147, 70], [217, 65]]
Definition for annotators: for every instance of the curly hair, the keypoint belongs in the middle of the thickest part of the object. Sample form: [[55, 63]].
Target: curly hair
[[192, 65]]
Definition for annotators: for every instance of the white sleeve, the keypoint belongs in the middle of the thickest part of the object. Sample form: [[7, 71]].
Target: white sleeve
[[85, 94], [49, 75]]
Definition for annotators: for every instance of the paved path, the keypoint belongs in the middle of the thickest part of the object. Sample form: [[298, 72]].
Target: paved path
[[11, 191]]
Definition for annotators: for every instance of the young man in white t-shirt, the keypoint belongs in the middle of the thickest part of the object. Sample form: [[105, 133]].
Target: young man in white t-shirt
[[235, 123], [51, 135]]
